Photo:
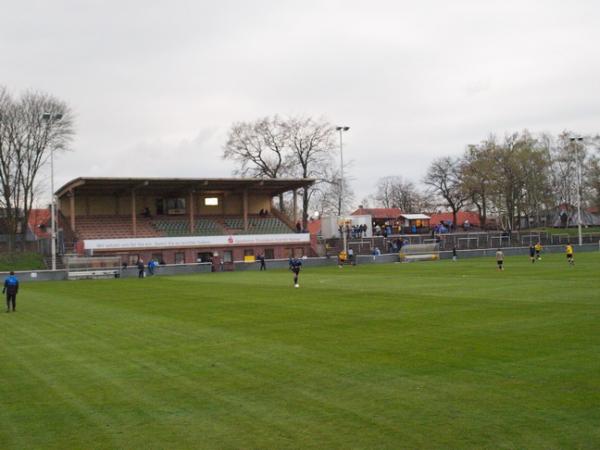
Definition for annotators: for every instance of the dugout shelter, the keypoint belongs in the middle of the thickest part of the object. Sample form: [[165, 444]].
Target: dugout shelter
[[180, 220]]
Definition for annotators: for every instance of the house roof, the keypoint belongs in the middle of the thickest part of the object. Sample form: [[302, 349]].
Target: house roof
[[39, 217], [378, 213], [314, 226]]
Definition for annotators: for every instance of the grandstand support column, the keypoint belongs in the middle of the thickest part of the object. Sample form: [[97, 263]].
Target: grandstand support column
[[72, 209], [295, 203], [245, 206], [191, 209], [133, 216]]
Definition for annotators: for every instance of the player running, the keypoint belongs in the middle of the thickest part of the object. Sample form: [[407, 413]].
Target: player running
[[532, 253], [569, 251], [538, 250], [500, 259], [295, 265]]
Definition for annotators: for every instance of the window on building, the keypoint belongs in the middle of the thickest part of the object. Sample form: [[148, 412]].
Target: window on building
[[179, 258], [211, 201], [176, 206], [269, 253], [204, 257], [248, 252], [227, 256]]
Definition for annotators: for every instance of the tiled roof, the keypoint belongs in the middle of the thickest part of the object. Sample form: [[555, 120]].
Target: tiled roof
[[378, 213]]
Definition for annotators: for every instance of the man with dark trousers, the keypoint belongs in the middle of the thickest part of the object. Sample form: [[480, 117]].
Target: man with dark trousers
[[261, 259], [11, 288], [140, 266], [295, 265]]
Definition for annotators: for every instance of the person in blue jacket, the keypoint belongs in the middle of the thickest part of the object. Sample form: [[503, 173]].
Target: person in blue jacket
[[11, 288]]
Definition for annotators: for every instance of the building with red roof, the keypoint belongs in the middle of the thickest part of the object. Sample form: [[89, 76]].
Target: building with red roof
[[379, 214]]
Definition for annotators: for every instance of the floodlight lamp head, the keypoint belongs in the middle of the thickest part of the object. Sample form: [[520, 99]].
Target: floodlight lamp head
[[48, 116]]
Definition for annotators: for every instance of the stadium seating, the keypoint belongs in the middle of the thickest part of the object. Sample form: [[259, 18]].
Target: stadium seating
[[256, 225], [181, 227], [112, 227], [118, 227]]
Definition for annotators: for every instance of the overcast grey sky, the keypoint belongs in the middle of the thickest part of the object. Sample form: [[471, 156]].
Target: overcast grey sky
[[155, 85]]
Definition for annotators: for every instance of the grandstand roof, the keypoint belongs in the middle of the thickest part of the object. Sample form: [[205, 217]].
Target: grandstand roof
[[109, 185]]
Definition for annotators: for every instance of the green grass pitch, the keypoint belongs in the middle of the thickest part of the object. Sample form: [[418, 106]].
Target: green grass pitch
[[423, 355]]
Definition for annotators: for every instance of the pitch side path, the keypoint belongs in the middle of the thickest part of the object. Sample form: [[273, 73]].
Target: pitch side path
[[422, 355]]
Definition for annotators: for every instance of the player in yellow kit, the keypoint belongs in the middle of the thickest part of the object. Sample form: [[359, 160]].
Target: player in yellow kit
[[538, 250], [569, 251]]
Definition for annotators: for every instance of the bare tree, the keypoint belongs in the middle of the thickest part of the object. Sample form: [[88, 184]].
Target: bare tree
[[327, 195], [10, 201], [30, 130], [477, 170], [394, 192], [261, 149], [443, 177], [312, 143]]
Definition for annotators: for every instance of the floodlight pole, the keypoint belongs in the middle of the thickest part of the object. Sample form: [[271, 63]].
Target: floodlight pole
[[341, 200], [49, 118], [576, 141]]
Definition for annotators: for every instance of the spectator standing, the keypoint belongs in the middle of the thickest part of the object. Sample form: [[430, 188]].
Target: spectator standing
[[140, 266], [151, 266], [261, 259]]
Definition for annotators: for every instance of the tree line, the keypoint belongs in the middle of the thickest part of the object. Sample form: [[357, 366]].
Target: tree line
[[521, 176], [31, 127]]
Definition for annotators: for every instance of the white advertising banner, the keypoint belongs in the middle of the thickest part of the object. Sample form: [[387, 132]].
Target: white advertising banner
[[196, 241]]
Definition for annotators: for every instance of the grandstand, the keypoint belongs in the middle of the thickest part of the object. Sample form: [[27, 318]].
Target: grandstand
[[177, 220]]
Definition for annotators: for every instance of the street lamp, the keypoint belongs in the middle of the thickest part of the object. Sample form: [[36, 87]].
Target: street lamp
[[341, 200], [49, 118], [577, 141]]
